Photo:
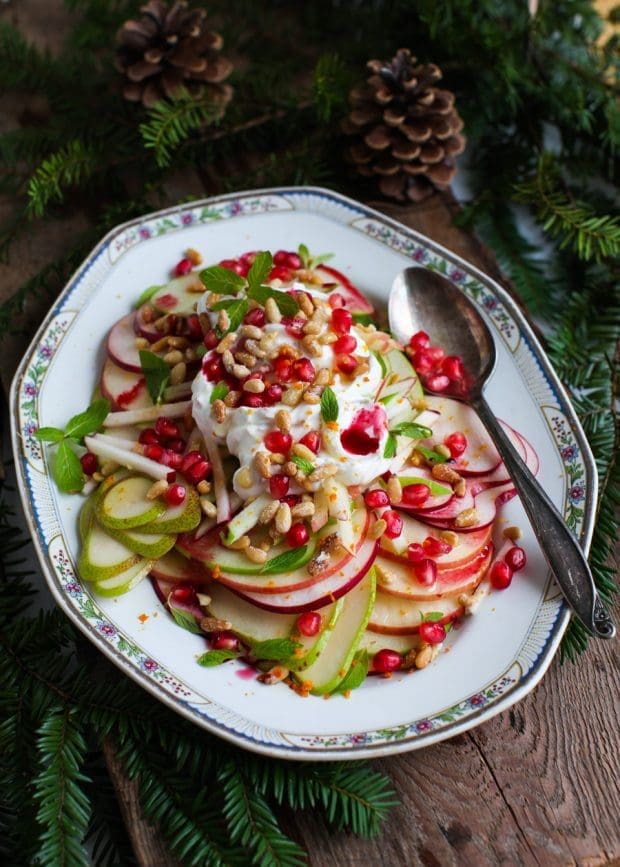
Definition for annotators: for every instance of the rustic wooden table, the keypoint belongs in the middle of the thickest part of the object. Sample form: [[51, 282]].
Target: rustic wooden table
[[538, 784]]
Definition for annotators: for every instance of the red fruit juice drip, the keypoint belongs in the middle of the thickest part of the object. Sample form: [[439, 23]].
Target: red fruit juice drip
[[363, 434], [168, 301], [246, 673]]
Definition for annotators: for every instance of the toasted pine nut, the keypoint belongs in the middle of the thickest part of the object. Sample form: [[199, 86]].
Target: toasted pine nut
[[290, 469], [442, 449], [443, 473], [219, 410], [173, 357], [322, 377], [311, 395], [157, 489], [228, 360], [269, 512], [460, 488], [466, 518], [302, 510], [240, 544], [313, 327], [512, 533], [178, 342], [141, 343], [254, 386], [159, 344], [178, 373], [292, 396], [252, 331], [209, 508], [394, 490], [283, 519], [253, 347], [194, 256], [283, 420], [449, 537], [214, 624], [415, 459], [324, 472], [203, 487], [223, 320], [263, 465], [243, 477], [305, 303], [377, 529], [424, 656], [246, 358], [271, 311], [277, 458], [232, 398], [240, 371], [225, 343], [255, 555], [303, 451]]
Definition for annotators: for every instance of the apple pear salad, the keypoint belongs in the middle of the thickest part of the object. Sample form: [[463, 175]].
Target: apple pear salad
[[270, 459]]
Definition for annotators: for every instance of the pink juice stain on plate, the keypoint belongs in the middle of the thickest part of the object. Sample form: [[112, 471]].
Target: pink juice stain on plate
[[246, 673]]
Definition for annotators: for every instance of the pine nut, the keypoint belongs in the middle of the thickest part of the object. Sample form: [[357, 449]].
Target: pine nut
[[214, 624], [460, 488], [240, 544], [269, 512], [424, 656], [512, 533], [233, 398], [394, 490], [292, 396], [271, 311], [443, 473], [157, 489], [377, 529], [311, 396], [290, 469], [252, 331], [466, 518], [324, 472], [194, 256], [225, 343], [443, 450], [223, 321], [302, 510], [190, 354], [283, 420], [283, 519], [253, 347], [228, 360], [160, 344], [243, 477], [255, 555], [305, 303], [254, 386], [322, 377], [277, 458], [449, 537], [263, 465], [178, 342], [245, 358], [313, 327], [219, 410], [178, 373], [213, 298], [240, 371], [173, 357], [415, 459], [141, 343], [203, 487], [209, 508]]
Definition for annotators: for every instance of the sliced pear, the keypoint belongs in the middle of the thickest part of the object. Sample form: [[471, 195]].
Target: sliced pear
[[332, 664], [125, 580], [248, 621], [126, 504], [313, 646], [246, 518], [177, 519], [150, 545], [102, 556]]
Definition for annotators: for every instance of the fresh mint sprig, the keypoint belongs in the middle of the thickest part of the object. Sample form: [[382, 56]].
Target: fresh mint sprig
[[304, 464], [222, 280], [217, 657], [285, 562], [356, 674], [219, 392], [236, 308], [329, 405], [156, 374], [412, 430], [66, 467]]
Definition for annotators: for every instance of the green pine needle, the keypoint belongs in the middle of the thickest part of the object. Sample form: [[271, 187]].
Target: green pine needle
[[71, 165], [171, 122]]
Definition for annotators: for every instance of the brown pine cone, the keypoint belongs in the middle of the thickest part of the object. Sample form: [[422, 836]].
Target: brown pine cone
[[408, 130], [170, 48]]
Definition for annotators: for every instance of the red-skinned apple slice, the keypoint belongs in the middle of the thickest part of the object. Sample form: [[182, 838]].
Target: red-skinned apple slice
[[397, 578], [486, 504], [124, 389], [121, 344], [467, 548], [531, 457], [394, 616], [354, 300], [480, 456], [322, 592], [162, 588], [144, 328], [174, 568]]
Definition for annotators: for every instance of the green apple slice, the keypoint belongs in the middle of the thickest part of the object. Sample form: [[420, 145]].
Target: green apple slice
[[250, 623], [177, 519], [333, 663], [149, 545], [127, 505], [102, 556], [313, 646], [125, 580], [246, 518]]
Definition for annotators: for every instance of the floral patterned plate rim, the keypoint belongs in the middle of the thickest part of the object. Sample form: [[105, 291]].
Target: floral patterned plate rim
[[495, 659]]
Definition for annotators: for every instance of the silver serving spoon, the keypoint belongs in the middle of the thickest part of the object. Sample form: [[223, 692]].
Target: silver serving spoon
[[423, 300]]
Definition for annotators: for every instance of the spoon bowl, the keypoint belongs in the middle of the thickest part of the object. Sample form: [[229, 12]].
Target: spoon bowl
[[423, 300]]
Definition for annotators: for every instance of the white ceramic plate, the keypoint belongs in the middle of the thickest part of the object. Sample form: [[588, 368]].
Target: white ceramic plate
[[494, 659]]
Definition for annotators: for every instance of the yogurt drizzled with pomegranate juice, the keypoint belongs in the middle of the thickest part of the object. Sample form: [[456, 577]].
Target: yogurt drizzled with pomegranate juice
[[354, 443]]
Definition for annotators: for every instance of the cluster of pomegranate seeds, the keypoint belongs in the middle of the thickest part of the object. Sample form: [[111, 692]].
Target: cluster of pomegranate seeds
[[432, 633], [89, 463], [386, 660], [502, 571], [309, 623], [439, 372]]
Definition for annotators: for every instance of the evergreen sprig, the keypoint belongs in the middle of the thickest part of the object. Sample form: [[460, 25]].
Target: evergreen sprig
[[170, 123], [71, 165]]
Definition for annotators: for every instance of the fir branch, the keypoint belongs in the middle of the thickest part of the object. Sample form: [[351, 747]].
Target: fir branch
[[70, 166], [171, 122]]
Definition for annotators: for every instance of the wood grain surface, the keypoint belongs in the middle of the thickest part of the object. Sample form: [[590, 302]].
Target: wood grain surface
[[536, 785]]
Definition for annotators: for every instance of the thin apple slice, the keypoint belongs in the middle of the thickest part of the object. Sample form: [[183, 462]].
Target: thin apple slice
[[124, 389], [121, 344], [531, 457], [468, 545], [177, 519], [146, 328], [335, 281], [102, 556], [331, 666], [124, 581], [394, 616], [397, 578], [321, 592], [174, 569], [486, 503], [127, 505], [248, 622], [179, 296], [480, 456]]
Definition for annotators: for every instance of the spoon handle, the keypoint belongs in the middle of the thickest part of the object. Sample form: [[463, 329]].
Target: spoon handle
[[564, 555]]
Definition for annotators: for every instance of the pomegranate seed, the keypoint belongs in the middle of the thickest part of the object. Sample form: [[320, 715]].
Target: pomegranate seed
[[346, 363], [184, 593], [452, 366], [194, 329], [309, 623], [432, 633], [280, 272], [280, 257], [248, 258], [153, 451], [303, 369], [438, 382], [148, 436], [272, 394], [425, 572], [255, 317], [457, 443], [213, 368], [312, 441], [416, 494], [166, 427], [500, 575], [346, 343], [335, 300], [253, 400], [189, 460], [436, 547], [183, 267], [422, 361], [515, 558], [342, 320], [293, 261], [224, 641], [278, 441], [231, 264], [89, 463], [175, 495], [291, 500], [283, 368], [177, 445], [297, 536], [419, 340], [376, 498], [436, 353], [394, 524], [198, 472], [415, 553], [278, 486], [293, 327], [386, 660], [210, 339], [169, 459]]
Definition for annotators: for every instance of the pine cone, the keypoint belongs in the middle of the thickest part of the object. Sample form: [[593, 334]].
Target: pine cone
[[167, 49], [409, 129]]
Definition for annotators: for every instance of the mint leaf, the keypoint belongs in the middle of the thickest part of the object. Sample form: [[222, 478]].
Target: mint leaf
[[363, 319], [435, 488], [432, 616], [217, 657], [390, 446], [304, 464], [260, 270], [274, 648], [286, 303], [356, 674], [431, 456], [304, 254], [236, 309], [147, 295], [67, 469], [382, 363], [219, 392], [285, 562], [412, 430], [50, 434], [329, 405], [89, 421], [186, 620], [156, 373], [388, 398], [221, 280]]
